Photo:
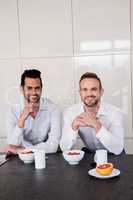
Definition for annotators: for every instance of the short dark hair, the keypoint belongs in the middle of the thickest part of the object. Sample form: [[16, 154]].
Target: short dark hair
[[91, 75], [30, 73]]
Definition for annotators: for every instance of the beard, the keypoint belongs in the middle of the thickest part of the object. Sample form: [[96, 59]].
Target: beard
[[91, 101], [33, 98]]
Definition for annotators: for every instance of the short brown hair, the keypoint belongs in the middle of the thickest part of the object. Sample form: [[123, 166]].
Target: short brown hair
[[91, 75]]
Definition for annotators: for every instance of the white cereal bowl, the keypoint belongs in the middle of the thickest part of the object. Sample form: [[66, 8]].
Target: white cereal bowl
[[73, 156], [26, 157]]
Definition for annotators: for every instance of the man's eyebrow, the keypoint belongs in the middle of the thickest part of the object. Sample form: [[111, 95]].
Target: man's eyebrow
[[85, 88], [94, 88], [37, 87], [28, 86]]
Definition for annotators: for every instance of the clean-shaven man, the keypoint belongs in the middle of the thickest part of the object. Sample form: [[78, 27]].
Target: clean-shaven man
[[99, 124], [36, 123]]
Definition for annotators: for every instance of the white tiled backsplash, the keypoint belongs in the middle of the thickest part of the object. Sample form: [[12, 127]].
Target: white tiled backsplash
[[63, 39]]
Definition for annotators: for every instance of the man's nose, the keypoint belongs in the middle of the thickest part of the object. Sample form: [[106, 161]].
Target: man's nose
[[33, 91], [89, 93]]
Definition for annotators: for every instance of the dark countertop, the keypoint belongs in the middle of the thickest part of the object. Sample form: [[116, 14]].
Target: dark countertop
[[59, 180]]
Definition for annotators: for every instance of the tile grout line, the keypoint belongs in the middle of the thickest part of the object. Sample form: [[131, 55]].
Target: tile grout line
[[19, 36], [131, 61], [73, 45]]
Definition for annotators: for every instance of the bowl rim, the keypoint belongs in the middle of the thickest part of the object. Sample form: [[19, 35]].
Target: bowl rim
[[78, 151], [31, 153], [25, 157]]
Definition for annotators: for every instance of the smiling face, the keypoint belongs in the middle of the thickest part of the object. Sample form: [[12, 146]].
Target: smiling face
[[32, 90], [90, 92]]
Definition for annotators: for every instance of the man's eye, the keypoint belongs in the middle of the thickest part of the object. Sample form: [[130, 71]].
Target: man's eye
[[84, 89], [37, 88], [29, 88], [94, 89]]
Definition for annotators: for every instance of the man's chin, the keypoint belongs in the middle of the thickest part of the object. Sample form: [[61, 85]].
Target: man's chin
[[34, 101]]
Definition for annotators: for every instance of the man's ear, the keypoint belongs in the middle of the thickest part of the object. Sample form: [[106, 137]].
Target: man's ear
[[21, 90], [102, 92]]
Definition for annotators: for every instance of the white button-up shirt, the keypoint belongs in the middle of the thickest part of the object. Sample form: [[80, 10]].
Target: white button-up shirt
[[110, 136], [43, 132]]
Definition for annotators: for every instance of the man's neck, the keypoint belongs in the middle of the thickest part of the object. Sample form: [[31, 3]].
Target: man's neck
[[93, 109], [33, 114], [31, 103]]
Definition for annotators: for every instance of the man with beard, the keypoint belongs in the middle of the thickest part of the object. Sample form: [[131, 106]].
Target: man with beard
[[36, 123], [99, 124]]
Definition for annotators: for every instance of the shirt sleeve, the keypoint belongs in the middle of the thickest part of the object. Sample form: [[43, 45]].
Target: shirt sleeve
[[69, 136], [113, 138], [27, 144], [51, 145], [14, 133]]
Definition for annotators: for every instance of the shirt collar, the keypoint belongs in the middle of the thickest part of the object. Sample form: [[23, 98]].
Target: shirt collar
[[102, 110], [41, 107]]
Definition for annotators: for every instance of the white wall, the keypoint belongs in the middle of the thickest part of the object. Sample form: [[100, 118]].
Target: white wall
[[65, 38]]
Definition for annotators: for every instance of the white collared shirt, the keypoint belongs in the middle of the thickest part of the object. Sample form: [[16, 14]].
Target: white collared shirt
[[110, 135], [43, 132]]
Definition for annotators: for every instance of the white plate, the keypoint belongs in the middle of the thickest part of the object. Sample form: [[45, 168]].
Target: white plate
[[94, 173]]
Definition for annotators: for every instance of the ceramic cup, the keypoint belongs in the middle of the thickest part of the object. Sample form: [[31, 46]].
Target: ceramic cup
[[101, 156], [39, 156]]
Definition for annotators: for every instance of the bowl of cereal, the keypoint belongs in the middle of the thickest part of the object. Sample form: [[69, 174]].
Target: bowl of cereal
[[73, 157], [26, 156]]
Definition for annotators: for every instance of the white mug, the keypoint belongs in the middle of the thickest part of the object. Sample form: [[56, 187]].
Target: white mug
[[39, 156], [101, 156]]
